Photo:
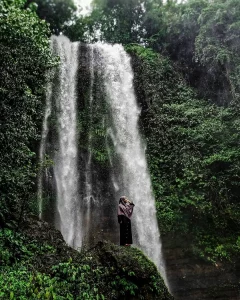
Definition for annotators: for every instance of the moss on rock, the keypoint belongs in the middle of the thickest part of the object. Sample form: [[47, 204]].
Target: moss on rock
[[37, 264]]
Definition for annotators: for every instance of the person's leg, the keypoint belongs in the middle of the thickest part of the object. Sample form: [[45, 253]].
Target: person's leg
[[122, 234], [128, 233]]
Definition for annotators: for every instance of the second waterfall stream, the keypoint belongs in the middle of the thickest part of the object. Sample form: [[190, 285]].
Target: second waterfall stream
[[80, 201]]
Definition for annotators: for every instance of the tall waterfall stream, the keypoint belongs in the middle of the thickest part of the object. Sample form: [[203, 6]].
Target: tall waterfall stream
[[76, 207]]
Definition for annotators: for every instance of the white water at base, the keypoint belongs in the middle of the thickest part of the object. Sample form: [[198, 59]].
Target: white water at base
[[65, 160], [118, 81]]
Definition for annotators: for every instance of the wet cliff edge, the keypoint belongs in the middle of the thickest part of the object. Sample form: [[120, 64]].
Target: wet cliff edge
[[193, 278]]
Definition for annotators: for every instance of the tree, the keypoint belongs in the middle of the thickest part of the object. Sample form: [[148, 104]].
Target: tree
[[119, 21], [56, 12], [217, 47], [202, 37]]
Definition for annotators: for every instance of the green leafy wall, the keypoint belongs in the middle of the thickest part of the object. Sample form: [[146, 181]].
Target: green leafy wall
[[193, 155], [24, 59]]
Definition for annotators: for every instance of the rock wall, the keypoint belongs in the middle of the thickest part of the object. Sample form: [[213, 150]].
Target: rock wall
[[191, 278]]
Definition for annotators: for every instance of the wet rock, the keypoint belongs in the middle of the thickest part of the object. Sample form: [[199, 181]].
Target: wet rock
[[195, 279]]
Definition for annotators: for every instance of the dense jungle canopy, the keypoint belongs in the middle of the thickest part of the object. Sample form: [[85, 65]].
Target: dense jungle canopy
[[185, 57]]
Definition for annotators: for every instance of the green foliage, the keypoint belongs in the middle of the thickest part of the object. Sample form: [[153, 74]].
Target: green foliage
[[145, 53], [81, 29], [80, 280], [24, 284], [192, 145], [214, 249], [193, 156], [104, 272], [217, 45], [16, 247], [200, 35], [56, 12], [112, 21], [24, 58]]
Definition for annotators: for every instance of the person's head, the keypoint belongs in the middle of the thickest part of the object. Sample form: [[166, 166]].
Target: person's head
[[123, 200]]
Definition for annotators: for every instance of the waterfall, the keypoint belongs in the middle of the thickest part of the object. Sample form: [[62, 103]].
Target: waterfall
[[66, 156], [85, 206], [136, 184]]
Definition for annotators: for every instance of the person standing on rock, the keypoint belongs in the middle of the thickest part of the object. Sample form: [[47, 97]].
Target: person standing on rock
[[125, 210]]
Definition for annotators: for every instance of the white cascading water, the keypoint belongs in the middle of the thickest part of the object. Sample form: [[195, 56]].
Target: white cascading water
[[65, 160], [115, 68], [118, 81]]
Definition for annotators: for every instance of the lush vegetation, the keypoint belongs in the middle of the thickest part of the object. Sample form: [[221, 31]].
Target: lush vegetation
[[195, 173], [24, 59], [43, 269], [186, 62], [32, 265], [55, 13], [204, 43]]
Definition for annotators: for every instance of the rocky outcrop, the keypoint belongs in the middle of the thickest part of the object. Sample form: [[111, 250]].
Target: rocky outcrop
[[130, 263], [195, 279], [116, 272]]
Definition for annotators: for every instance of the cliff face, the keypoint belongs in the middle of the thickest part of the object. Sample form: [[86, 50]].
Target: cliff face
[[197, 228], [192, 278]]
